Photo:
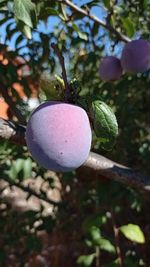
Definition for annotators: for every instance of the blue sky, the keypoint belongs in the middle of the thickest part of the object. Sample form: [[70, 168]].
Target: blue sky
[[50, 25], [52, 21]]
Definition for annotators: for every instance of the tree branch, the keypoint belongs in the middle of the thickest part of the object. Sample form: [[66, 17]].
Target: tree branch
[[97, 163], [86, 13], [117, 172]]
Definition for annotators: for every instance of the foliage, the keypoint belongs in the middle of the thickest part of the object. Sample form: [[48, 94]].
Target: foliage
[[91, 208], [133, 233], [105, 123]]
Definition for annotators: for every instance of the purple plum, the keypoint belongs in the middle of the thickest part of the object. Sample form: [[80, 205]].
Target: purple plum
[[110, 69], [58, 135], [136, 56]]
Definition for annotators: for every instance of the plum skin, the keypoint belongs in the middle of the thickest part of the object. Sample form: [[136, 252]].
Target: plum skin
[[58, 135], [136, 56], [110, 69]]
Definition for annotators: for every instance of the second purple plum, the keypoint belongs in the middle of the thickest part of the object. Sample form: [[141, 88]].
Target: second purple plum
[[136, 56], [110, 69]]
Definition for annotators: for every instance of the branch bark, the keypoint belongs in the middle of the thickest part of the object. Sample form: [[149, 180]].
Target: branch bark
[[117, 172], [95, 163], [102, 23]]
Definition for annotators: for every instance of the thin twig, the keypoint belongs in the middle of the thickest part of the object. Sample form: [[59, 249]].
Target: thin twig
[[116, 236], [62, 63], [86, 13], [97, 251], [12, 104]]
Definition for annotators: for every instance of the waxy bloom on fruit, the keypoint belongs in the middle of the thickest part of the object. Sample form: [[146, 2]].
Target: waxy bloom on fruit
[[136, 56], [59, 136], [110, 69]]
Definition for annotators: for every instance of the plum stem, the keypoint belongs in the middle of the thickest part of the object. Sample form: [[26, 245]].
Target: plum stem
[[64, 73]]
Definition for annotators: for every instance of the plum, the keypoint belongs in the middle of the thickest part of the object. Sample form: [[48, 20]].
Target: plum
[[110, 69], [136, 56], [58, 135]]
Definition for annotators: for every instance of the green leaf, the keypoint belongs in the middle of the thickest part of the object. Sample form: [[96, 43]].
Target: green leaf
[[88, 243], [106, 245], [15, 169], [51, 11], [105, 123], [12, 173], [94, 220], [3, 5], [98, 240], [39, 8], [4, 8], [27, 32], [81, 35], [18, 165], [95, 234], [62, 12], [106, 3], [145, 3], [85, 260], [27, 168], [25, 29], [25, 11], [133, 232], [128, 25]]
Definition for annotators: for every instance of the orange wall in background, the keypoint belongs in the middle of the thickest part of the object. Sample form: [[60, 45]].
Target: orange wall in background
[[5, 111]]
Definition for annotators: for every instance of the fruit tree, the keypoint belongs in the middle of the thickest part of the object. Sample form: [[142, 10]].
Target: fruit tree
[[74, 133]]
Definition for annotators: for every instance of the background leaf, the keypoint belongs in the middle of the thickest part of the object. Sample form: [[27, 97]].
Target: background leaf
[[106, 245], [85, 260], [133, 232], [128, 25], [81, 34]]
